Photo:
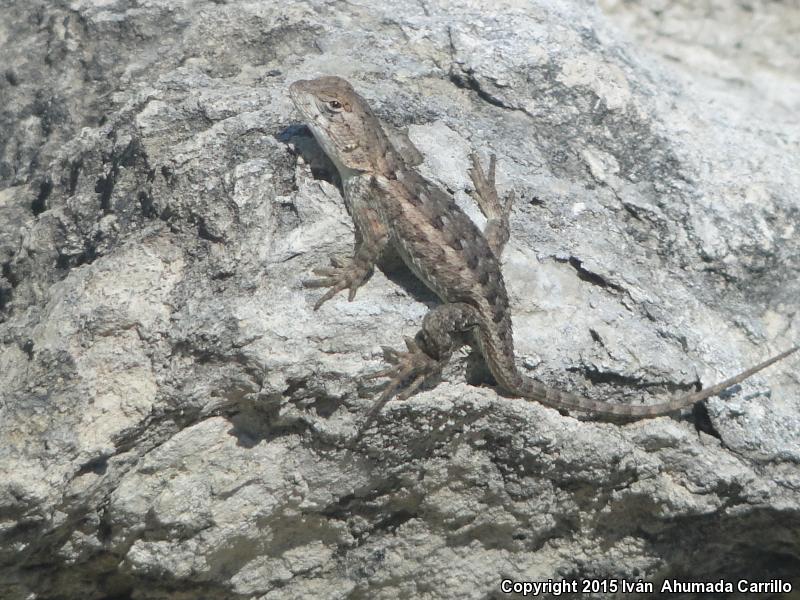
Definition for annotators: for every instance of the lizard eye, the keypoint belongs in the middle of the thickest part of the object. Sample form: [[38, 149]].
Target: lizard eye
[[335, 104]]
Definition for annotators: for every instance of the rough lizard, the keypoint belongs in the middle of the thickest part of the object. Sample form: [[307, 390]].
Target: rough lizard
[[392, 204]]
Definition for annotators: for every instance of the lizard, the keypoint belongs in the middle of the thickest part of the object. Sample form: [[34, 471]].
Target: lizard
[[393, 205]]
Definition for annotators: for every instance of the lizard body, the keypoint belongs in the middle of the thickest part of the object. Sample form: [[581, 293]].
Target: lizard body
[[391, 204]]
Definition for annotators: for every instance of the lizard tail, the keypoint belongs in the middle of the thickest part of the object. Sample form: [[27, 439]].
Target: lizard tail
[[519, 384]]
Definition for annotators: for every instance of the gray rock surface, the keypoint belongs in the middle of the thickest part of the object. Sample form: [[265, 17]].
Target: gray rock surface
[[173, 413]]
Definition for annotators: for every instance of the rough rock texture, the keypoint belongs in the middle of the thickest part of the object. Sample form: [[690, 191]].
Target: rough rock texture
[[173, 414]]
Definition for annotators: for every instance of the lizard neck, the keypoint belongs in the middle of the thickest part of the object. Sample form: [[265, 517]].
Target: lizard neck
[[388, 165]]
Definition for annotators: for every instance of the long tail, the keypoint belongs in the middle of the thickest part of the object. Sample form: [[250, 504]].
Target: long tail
[[533, 390]]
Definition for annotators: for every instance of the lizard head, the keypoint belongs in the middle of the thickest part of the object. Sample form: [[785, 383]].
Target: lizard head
[[341, 122]]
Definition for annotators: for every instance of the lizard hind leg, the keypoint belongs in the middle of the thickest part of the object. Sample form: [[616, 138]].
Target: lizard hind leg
[[445, 329]]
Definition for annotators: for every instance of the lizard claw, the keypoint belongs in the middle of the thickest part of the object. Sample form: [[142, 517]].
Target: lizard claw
[[341, 275]]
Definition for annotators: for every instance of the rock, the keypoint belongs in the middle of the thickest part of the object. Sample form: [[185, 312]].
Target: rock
[[174, 416]]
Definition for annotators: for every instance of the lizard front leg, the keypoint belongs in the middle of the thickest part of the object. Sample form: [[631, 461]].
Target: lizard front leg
[[496, 230], [352, 274], [445, 329]]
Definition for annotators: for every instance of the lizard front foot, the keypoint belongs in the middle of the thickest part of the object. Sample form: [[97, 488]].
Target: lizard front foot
[[339, 276]]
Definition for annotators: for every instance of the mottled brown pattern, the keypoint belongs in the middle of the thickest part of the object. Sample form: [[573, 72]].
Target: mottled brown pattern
[[393, 205]]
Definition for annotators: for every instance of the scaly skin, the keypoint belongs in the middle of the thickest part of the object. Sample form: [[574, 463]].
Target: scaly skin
[[393, 205]]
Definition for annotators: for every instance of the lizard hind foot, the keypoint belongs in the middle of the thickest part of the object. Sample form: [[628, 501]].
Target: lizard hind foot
[[485, 193], [497, 211], [408, 371]]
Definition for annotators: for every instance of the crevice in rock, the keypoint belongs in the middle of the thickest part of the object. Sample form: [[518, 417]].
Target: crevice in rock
[[51, 110], [104, 186], [97, 465], [39, 205], [589, 277], [356, 501], [393, 520], [204, 233], [315, 397], [7, 291], [252, 425], [5, 297], [74, 172], [147, 205], [8, 273], [126, 158], [468, 81], [27, 348], [88, 256], [167, 174], [536, 200]]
